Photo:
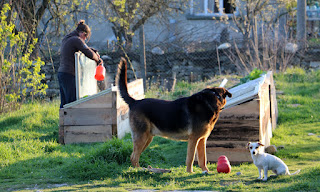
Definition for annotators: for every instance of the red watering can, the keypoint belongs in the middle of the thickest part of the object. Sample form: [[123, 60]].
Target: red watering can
[[100, 73]]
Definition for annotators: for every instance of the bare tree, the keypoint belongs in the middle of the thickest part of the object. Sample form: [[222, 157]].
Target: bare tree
[[127, 16], [35, 16], [263, 45]]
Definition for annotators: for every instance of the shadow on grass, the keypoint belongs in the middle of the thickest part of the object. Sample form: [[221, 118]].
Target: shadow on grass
[[12, 122], [85, 162], [306, 180]]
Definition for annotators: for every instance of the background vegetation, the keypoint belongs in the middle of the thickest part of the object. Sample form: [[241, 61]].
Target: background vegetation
[[31, 159], [19, 75]]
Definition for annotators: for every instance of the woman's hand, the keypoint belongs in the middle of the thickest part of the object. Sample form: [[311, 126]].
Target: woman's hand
[[100, 62]]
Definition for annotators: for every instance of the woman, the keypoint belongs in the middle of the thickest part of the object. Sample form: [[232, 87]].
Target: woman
[[72, 43]]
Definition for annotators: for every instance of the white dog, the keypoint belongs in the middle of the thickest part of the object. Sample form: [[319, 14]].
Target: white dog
[[267, 162]]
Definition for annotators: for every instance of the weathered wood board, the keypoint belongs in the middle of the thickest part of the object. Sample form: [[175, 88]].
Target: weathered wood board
[[250, 115], [98, 117]]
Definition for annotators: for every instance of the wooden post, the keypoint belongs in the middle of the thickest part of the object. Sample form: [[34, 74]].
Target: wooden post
[[143, 62], [301, 23], [61, 126]]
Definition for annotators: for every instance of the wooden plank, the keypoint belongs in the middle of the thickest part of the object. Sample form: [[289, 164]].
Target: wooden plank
[[235, 130], [244, 92], [104, 101], [264, 114], [61, 126], [228, 143], [82, 100], [87, 134], [273, 102], [235, 155], [82, 116], [135, 89], [248, 110], [265, 127]]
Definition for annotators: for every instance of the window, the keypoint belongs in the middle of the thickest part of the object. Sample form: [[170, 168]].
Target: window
[[211, 7]]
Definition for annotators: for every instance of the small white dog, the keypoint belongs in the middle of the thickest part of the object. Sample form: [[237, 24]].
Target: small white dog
[[267, 162]]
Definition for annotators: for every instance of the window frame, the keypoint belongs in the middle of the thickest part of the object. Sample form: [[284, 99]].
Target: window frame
[[206, 14]]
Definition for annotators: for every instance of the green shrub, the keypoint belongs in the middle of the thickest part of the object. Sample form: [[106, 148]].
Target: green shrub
[[19, 75]]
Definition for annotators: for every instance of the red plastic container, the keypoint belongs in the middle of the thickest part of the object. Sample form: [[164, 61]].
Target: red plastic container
[[223, 165], [100, 73]]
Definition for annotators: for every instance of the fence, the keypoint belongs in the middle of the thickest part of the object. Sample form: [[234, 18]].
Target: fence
[[207, 62]]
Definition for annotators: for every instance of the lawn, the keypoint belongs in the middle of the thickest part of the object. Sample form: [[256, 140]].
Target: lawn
[[31, 159]]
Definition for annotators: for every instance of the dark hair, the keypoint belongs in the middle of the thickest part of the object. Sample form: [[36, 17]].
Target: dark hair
[[82, 27]]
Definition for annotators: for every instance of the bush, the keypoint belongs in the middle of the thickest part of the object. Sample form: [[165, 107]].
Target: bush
[[19, 76]]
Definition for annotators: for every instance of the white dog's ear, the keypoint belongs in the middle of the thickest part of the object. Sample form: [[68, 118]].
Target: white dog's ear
[[260, 144], [248, 145]]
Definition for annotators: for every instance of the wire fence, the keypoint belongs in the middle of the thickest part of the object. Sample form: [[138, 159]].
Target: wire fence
[[194, 61], [225, 59]]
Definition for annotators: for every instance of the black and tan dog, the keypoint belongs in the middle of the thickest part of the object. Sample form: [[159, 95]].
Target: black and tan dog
[[188, 119]]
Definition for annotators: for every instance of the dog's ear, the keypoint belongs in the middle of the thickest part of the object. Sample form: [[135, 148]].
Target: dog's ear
[[227, 93], [248, 145], [260, 144]]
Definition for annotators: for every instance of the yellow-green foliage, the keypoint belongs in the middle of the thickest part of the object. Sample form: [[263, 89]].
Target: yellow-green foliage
[[19, 75]]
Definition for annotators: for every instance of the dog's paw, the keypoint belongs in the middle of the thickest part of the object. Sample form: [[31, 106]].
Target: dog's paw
[[205, 172]]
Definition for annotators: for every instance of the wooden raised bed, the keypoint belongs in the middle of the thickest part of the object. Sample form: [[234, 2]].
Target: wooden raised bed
[[95, 116], [98, 117], [250, 115]]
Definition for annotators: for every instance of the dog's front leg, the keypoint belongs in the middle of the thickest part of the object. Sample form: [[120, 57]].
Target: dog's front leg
[[202, 155], [260, 174], [192, 143], [265, 170]]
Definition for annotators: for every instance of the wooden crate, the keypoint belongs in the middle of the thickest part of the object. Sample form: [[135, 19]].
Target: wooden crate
[[98, 117], [250, 115]]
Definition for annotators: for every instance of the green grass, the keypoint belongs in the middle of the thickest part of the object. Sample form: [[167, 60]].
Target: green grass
[[31, 159]]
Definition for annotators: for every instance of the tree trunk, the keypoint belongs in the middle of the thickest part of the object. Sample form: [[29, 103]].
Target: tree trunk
[[143, 56]]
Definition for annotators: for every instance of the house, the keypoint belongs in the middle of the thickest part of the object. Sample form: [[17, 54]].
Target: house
[[202, 23], [199, 23]]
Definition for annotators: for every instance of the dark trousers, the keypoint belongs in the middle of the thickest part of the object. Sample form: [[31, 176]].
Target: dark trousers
[[67, 85]]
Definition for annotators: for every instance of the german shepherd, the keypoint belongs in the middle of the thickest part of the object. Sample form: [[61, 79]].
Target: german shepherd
[[187, 119]]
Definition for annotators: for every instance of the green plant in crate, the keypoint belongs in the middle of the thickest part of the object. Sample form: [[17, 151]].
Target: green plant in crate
[[255, 73]]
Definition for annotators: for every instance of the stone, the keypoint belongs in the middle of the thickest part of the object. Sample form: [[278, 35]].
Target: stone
[[157, 51], [52, 93], [224, 46], [272, 149], [315, 64], [105, 57], [291, 48]]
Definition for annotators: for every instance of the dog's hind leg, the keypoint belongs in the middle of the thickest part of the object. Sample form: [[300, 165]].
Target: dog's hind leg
[[192, 144], [148, 141], [202, 154], [140, 143]]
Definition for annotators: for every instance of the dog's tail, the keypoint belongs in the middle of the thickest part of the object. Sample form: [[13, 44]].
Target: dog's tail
[[121, 81], [298, 171]]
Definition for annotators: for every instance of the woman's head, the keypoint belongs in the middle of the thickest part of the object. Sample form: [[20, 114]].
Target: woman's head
[[84, 28]]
